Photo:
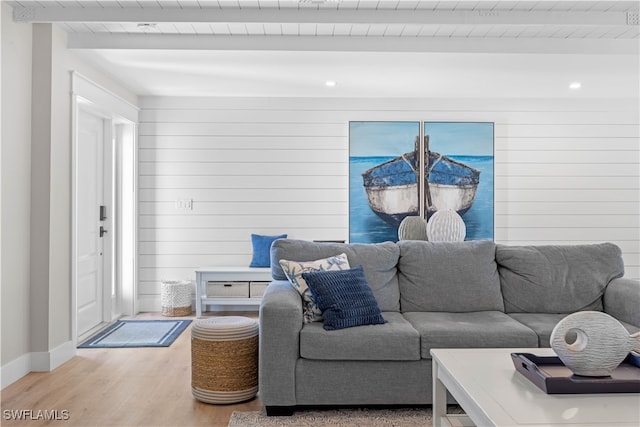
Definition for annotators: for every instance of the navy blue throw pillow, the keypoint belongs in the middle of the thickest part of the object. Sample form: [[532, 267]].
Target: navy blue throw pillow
[[262, 249], [345, 298]]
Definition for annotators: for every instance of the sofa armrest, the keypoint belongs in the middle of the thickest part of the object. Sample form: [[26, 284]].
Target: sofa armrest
[[280, 325], [622, 299]]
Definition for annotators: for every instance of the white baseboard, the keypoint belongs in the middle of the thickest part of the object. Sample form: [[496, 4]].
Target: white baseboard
[[41, 361], [61, 354], [16, 369]]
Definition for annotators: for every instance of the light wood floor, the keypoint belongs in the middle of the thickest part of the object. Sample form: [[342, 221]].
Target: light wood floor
[[121, 387]]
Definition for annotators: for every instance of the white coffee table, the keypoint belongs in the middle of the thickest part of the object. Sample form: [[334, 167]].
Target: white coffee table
[[492, 393]]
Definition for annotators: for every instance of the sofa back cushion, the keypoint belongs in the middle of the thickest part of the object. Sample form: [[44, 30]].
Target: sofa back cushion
[[556, 279], [378, 260], [455, 277]]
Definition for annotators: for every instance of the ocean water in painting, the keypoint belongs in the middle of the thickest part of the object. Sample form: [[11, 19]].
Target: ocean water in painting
[[366, 227]]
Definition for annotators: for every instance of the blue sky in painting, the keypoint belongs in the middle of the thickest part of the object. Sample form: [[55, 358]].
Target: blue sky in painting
[[394, 138], [460, 138], [382, 138]]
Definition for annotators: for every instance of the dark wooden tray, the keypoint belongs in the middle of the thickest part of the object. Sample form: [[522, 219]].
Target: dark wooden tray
[[550, 375]]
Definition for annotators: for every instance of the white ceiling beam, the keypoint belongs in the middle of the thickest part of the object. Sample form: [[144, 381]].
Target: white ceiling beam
[[352, 44], [318, 16]]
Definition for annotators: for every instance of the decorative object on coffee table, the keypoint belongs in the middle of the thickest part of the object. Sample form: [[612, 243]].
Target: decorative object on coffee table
[[176, 298], [592, 343], [446, 226], [224, 359], [412, 228]]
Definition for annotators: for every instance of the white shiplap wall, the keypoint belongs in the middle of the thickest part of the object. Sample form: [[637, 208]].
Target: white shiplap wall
[[566, 171]]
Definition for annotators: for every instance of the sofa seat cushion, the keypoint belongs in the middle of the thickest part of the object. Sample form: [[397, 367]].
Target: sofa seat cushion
[[483, 329], [394, 340], [543, 323], [448, 276], [379, 261], [557, 279]]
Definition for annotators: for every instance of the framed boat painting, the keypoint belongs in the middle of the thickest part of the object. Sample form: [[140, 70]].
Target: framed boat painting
[[381, 183], [384, 170]]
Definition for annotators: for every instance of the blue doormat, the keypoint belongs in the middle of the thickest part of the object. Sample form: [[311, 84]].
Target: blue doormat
[[138, 333]]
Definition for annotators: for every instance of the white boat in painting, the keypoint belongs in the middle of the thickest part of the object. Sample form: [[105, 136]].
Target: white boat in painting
[[392, 189]]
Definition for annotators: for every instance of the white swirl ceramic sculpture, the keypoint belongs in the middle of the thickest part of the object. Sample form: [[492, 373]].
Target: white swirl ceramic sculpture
[[446, 226], [412, 228], [592, 343]]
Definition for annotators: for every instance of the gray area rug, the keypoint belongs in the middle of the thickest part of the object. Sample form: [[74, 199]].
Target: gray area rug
[[339, 418]]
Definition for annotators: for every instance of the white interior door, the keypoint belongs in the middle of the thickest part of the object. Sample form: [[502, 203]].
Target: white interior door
[[104, 151], [90, 243]]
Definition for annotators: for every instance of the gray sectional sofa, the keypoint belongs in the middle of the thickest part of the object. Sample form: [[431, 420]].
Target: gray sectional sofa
[[433, 295]]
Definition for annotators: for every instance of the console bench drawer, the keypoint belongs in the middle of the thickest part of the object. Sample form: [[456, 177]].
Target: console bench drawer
[[228, 289], [256, 289]]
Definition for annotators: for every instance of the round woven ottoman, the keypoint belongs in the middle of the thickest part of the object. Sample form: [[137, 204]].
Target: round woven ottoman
[[175, 298], [224, 359]]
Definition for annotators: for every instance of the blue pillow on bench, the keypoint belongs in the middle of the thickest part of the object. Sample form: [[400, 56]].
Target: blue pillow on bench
[[345, 298], [262, 248]]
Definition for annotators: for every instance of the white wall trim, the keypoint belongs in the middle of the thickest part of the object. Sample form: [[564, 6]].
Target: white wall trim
[[45, 361], [42, 361], [102, 99], [16, 369], [61, 354]]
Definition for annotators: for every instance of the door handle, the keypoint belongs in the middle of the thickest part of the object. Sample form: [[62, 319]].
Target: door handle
[[102, 231]]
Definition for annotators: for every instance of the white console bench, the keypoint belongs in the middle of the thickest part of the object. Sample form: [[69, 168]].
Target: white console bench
[[230, 286]]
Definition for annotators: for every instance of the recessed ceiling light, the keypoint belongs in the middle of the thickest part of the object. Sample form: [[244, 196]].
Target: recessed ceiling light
[[330, 83], [575, 85]]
